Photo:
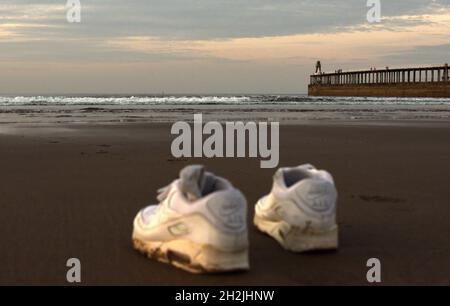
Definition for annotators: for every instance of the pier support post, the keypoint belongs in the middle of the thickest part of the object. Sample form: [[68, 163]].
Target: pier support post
[[446, 72]]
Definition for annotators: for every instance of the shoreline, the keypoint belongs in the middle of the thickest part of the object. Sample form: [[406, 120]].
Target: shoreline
[[50, 127]]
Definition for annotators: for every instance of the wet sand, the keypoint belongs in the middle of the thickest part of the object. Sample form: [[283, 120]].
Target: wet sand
[[73, 192]]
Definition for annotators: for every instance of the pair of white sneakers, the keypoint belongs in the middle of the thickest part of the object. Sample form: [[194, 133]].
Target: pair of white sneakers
[[200, 224]]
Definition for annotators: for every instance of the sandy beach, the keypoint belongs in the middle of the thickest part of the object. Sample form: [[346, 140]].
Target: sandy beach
[[73, 190]]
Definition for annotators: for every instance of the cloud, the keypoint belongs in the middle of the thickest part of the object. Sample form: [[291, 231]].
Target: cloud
[[421, 55], [206, 19], [255, 38], [355, 43]]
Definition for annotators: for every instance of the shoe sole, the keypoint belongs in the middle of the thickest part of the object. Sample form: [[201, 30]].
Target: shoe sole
[[298, 239], [193, 257]]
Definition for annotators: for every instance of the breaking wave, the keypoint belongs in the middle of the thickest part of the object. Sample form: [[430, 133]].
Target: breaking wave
[[213, 100]]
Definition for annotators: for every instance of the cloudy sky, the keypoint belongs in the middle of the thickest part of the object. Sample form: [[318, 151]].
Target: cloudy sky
[[209, 46]]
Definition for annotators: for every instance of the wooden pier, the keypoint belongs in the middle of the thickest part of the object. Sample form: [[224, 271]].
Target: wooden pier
[[404, 82]]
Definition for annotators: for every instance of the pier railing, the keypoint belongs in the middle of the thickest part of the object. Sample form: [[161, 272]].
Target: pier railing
[[384, 76]]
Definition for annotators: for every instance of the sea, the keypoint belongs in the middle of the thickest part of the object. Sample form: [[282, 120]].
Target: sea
[[170, 108]]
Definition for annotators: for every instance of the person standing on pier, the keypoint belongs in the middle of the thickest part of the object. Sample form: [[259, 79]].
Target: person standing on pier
[[318, 68]]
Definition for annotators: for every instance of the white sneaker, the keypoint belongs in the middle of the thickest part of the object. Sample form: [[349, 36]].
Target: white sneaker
[[199, 226], [300, 211]]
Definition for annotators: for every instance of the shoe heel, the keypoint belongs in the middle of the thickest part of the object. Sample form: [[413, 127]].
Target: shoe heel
[[299, 239], [214, 260]]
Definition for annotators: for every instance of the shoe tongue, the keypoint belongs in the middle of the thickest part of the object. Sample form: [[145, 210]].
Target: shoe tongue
[[192, 181]]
